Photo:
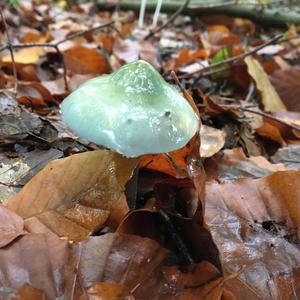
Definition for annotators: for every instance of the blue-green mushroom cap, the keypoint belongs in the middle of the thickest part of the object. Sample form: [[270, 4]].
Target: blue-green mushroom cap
[[133, 111]]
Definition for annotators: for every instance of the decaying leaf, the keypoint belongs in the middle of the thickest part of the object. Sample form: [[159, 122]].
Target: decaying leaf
[[286, 82], [11, 226], [77, 195], [93, 62], [289, 156], [42, 261], [232, 164], [107, 291], [270, 98], [212, 140], [256, 223]]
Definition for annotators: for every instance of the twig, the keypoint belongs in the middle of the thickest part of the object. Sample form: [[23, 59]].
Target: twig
[[11, 184], [170, 20], [53, 45], [10, 48], [208, 70], [64, 67], [261, 113]]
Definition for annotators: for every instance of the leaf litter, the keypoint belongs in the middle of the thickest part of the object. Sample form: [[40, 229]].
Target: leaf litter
[[217, 219]]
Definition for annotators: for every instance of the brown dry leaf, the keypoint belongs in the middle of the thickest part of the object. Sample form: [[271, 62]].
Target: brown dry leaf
[[82, 60], [62, 270], [41, 260], [286, 83], [173, 163], [33, 94], [57, 88], [35, 37], [126, 50], [272, 132], [256, 223], [16, 172], [26, 292], [212, 140], [232, 164], [270, 98], [77, 195], [118, 258], [154, 225], [177, 196], [107, 291], [11, 226], [289, 156], [137, 263], [186, 57]]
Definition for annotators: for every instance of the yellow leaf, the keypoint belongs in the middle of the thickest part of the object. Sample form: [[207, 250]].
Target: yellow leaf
[[270, 98], [26, 55]]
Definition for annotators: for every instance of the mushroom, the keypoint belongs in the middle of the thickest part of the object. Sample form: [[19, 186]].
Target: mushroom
[[133, 111]]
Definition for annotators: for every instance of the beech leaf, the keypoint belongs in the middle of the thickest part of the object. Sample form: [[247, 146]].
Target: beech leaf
[[270, 98], [77, 195]]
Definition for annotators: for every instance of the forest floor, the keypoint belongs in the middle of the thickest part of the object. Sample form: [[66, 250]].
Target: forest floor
[[217, 219]]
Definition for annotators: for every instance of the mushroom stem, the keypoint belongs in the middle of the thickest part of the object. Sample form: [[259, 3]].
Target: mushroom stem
[[142, 13]]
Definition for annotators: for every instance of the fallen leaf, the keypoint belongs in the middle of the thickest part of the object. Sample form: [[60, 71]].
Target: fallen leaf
[[232, 164], [93, 63], [256, 224], [25, 56], [16, 172], [35, 37], [11, 226], [187, 57], [212, 140], [33, 94], [26, 292], [188, 240], [77, 195], [126, 50], [107, 291], [118, 258], [41, 260], [272, 132], [289, 156], [173, 163], [270, 98], [286, 83], [57, 88]]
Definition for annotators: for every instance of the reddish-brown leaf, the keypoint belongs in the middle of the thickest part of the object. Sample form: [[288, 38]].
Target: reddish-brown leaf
[[82, 60], [286, 83], [256, 225], [107, 291]]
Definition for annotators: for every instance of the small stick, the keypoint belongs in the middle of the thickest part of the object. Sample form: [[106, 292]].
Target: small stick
[[170, 20], [10, 48], [263, 114], [233, 59], [64, 67]]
